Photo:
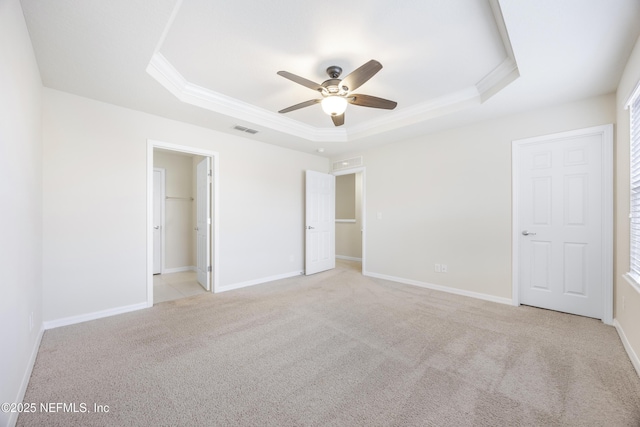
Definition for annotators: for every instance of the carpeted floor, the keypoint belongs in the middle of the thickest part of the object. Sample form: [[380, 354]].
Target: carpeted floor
[[336, 349]]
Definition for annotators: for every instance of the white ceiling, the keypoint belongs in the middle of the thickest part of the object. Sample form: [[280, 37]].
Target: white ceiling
[[445, 62]]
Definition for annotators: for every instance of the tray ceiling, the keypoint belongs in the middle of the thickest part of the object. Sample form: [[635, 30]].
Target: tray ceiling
[[446, 63]]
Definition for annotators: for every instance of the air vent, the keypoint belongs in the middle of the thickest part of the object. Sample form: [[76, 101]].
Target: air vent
[[353, 162], [244, 129]]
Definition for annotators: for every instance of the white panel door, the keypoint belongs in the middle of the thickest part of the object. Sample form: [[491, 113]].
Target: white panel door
[[320, 227], [203, 222], [158, 201], [561, 208]]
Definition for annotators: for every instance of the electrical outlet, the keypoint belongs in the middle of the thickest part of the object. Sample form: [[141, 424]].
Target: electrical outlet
[[444, 268], [292, 258], [437, 268]]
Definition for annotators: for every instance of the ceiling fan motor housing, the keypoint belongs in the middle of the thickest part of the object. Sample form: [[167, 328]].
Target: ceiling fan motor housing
[[334, 71], [332, 87]]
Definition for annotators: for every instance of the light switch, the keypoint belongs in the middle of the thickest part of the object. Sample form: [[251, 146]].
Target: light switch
[[379, 215]]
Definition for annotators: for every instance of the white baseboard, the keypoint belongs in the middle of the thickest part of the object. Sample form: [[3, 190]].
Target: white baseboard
[[50, 324], [179, 269], [635, 361], [447, 289], [257, 281], [348, 258], [13, 418]]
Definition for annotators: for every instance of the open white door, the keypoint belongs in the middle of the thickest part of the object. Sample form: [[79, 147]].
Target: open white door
[[158, 201], [203, 222], [320, 227]]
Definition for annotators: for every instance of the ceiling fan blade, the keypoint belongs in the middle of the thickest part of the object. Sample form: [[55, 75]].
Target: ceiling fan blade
[[371, 101], [338, 120], [300, 80], [301, 105], [360, 75]]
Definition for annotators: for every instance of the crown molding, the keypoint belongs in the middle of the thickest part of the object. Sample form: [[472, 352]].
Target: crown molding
[[502, 75], [507, 71], [498, 79], [165, 73]]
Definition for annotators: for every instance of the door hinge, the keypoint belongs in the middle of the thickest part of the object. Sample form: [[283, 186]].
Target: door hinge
[[209, 269], [210, 172]]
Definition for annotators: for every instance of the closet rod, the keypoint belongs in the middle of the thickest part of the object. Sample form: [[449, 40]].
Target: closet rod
[[178, 198]]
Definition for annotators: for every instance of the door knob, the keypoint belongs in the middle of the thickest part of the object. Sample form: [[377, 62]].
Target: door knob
[[310, 227], [527, 233], [157, 227]]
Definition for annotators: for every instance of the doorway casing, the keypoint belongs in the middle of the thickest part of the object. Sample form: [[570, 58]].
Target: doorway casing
[[214, 208], [160, 223]]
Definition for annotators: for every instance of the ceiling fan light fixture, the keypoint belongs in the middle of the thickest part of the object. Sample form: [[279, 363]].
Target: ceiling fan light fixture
[[334, 105]]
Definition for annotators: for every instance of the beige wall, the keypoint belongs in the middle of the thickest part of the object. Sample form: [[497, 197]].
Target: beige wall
[[179, 213], [95, 213], [446, 198], [627, 298], [346, 196], [21, 200], [349, 234]]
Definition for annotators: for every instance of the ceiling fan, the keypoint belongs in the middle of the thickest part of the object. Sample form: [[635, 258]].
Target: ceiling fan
[[337, 93]]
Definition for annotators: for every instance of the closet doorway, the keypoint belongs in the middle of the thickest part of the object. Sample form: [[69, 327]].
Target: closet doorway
[[350, 218], [186, 230]]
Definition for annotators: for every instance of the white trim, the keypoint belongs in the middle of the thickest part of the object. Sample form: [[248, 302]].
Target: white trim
[[171, 79], [13, 418], [634, 94], [178, 269], [507, 71], [72, 320], [348, 258], [258, 281], [215, 203], [348, 221], [441, 288], [363, 208], [607, 211], [163, 213], [631, 281], [635, 360], [498, 79], [515, 241]]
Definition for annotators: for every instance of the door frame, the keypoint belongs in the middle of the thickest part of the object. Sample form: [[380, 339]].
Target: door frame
[[163, 192], [606, 132], [214, 210], [363, 210]]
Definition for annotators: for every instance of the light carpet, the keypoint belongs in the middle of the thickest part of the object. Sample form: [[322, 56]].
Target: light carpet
[[336, 349]]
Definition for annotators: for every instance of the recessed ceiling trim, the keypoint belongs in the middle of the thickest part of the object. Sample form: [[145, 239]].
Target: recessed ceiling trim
[[498, 79], [163, 71], [501, 76], [507, 71]]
